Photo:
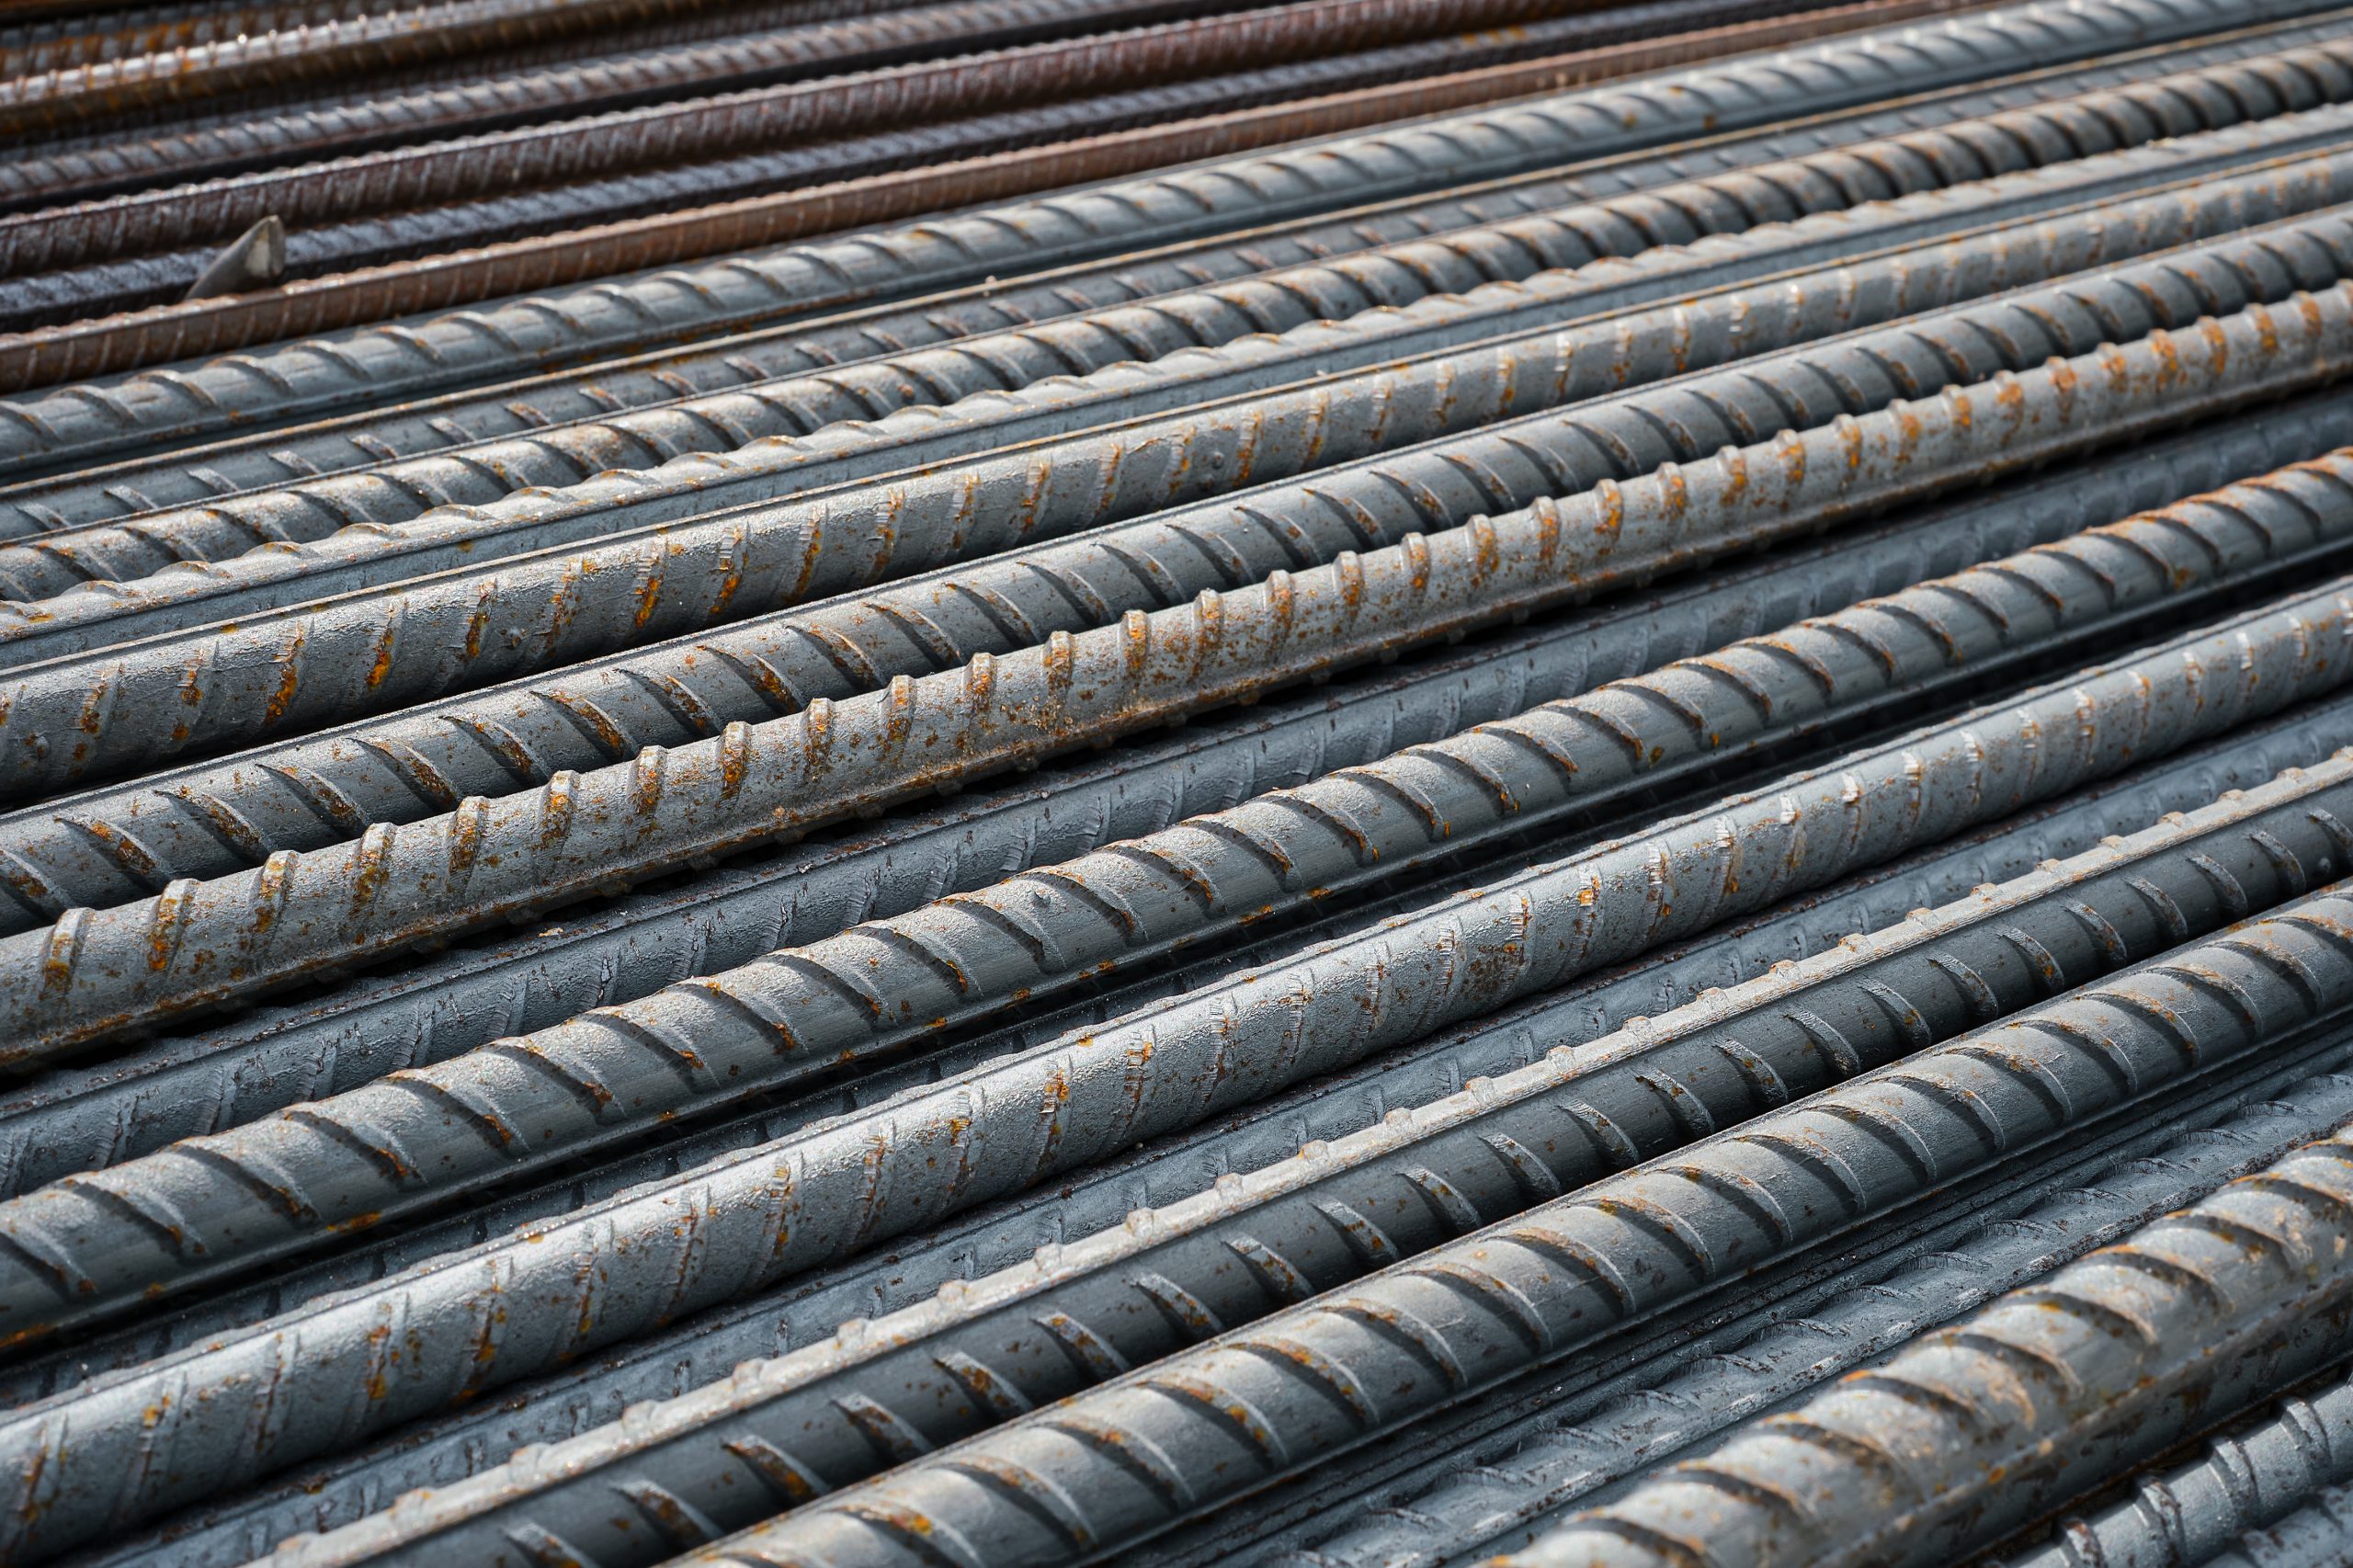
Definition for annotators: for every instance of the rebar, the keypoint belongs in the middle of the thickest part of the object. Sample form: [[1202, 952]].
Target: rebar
[[96, 973], [531, 1282], [702, 1350], [1493, 1489], [2244, 1479], [435, 355], [272, 458], [1968, 1429], [1763, 199], [275, 61], [674, 133], [77, 1118], [1323, 1376], [521, 213], [673, 1477], [2318, 1535], [284, 671]]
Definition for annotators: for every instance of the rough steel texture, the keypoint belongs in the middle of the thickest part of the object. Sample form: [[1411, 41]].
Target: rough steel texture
[[1966, 1433], [848, 1182], [1326, 1375], [285, 672], [774, 1434], [28, 49], [2318, 1535], [519, 213], [305, 379], [673, 133], [705, 1346], [2247, 1479], [767, 1213], [272, 458], [96, 973], [1970, 155], [1473, 1494], [273, 62], [78, 1119]]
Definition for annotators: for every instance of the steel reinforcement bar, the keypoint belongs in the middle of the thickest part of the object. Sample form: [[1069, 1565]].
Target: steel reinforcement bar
[[1336, 1370], [1766, 198], [64, 100], [312, 379], [96, 973], [118, 710], [943, 1371], [273, 458], [77, 1253], [551, 1410], [670, 132], [1495, 1486], [1967, 1432], [534, 1292], [2246, 1479], [74, 1118], [1035, 464]]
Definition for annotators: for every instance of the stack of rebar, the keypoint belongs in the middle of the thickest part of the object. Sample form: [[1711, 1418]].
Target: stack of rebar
[[846, 783]]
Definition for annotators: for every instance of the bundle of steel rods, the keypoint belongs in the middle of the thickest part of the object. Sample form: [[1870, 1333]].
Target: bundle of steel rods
[[845, 783]]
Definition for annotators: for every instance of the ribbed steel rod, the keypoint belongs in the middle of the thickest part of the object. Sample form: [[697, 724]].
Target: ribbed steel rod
[[1089, 1095], [1334, 1371], [431, 355], [284, 672], [2319, 1535], [28, 49], [2246, 1479], [1963, 1434], [672, 1477], [265, 457], [1762, 199], [275, 61], [673, 133], [872, 161], [227, 1377], [96, 974], [76, 1118], [2182, 1165], [1490, 1489]]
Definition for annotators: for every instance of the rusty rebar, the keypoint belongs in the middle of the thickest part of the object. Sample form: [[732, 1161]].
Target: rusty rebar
[[1657, 229], [1419, 157]]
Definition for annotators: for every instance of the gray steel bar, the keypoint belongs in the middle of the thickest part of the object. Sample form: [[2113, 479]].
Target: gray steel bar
[[1966, 1433], [286, 670], [1764, 198], [81, 422], [80, 1117], [705, 1346], [97, 973], [274, 457], [1458, 1489], [2319, 1535], [105, 848], [729, 1456], [766, 1214], [705, 537], [1257, 1403], [2246, 1479]]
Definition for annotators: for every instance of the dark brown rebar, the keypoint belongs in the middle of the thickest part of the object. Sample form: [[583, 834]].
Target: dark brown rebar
[[163, 334]]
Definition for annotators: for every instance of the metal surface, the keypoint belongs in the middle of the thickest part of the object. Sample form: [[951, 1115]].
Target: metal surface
[[670, 132], [142, 704], [1329, 1373], [1133, 1294], [76, 1118], [96, 973], [1967, 156], [272, 458], [435, 355], [2248, 1479], [705, 1346]]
